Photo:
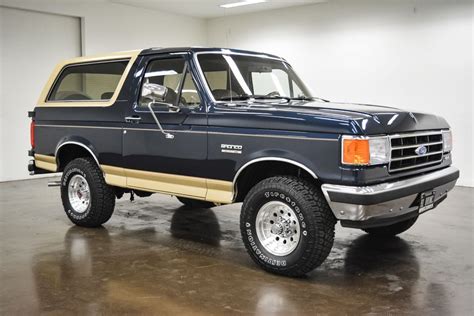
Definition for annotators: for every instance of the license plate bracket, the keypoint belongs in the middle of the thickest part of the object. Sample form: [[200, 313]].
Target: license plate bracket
[[427, 201]]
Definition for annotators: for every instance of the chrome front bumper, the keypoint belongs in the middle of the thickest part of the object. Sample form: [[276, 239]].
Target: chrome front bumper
[[387, 203]]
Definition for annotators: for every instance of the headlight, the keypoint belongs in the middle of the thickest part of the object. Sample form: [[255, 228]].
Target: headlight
[[365, 151], [447, 141]]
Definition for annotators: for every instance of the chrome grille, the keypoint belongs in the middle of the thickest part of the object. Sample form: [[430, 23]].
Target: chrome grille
[[404, 147]]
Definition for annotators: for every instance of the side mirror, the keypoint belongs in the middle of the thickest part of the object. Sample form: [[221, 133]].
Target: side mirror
[[154, 92]]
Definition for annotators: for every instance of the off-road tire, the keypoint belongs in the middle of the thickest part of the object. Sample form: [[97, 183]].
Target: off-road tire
[[192, 203], [102, 197], [315, 219], [391, 230]]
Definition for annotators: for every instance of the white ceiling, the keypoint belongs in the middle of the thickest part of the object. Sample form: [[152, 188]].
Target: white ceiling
[[210, 8]]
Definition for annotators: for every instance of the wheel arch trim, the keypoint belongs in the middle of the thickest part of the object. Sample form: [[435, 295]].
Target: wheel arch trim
[[279, 159], [77, 143]]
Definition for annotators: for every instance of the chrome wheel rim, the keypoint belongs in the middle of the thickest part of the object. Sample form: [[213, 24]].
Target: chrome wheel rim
[[278, 228], [79, 193]]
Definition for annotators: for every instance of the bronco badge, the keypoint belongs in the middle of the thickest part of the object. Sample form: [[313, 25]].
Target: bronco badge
[[231, 149]]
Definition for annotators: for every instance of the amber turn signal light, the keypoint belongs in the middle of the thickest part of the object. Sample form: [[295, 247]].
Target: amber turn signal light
[[356, 151]]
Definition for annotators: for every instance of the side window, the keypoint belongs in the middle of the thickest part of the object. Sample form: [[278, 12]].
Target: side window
[[88, 82], [170, 73]]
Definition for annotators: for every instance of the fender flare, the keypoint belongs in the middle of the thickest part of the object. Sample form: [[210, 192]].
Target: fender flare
[[77, 141], [280, 159]]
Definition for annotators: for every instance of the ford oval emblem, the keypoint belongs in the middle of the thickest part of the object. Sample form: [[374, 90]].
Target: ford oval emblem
[[421, 151]]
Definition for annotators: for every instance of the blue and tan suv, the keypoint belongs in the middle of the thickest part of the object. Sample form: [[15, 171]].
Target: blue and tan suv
[[219, 126]]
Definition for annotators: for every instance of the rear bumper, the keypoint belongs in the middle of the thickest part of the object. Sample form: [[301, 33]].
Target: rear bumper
[[387, 203], [33, 169]]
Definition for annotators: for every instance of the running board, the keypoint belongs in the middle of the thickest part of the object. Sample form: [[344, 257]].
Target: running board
[[54, 183]]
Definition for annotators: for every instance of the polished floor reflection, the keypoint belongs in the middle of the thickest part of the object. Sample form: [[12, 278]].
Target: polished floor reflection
[[156, 257]]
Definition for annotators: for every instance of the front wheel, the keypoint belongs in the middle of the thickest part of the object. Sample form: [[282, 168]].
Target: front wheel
[[391, 230], [287, 226], [88, 201]]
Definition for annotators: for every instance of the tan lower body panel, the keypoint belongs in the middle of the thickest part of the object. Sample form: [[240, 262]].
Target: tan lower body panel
[[114, 176], [46, 162], [219, 191], [163, 182], [192, 187], [197, 188]]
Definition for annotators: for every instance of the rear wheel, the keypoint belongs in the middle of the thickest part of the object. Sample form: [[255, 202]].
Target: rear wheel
[[287, 226], [88, 201], [393, 229], [192, 203]]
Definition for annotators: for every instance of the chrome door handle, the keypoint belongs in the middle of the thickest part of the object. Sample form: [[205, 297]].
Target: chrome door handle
[[133, 119]]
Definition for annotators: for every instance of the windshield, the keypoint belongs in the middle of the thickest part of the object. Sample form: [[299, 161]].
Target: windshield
[[238, 77]]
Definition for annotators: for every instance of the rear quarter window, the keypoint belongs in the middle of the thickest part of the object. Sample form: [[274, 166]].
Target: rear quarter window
[[88, 82]]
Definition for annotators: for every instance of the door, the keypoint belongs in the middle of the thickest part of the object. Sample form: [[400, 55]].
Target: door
[[154, 161]]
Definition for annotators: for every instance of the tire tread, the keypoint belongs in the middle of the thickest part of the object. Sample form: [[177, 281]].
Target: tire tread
[[102, 203], [321, 219]]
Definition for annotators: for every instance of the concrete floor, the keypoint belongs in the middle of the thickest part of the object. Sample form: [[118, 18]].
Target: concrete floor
[[155, 257]]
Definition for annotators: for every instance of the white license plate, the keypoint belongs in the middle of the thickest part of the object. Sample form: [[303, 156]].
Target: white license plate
[[426, 201]]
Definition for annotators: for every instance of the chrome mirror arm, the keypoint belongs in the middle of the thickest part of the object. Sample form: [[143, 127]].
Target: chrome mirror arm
[[167, 135], [175, 108]]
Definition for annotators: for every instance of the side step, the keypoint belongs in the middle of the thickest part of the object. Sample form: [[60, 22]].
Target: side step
[[54, 183]]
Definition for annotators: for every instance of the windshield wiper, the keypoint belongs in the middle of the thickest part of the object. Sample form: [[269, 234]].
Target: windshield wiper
[[303, 98], [271, 97], [321, 99], [236, 97], [309, 99], [255, 97], [243, 97]]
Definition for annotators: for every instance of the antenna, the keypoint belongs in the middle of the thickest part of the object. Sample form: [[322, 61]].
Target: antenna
[[227, 33]]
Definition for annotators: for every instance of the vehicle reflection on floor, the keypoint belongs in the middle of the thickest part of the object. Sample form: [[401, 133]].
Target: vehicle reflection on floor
[[198, 225]]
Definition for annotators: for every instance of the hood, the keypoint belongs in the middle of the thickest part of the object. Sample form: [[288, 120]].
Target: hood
[[324, 117]]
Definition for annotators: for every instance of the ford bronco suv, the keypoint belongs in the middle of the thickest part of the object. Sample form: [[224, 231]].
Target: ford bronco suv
[[219, 126]]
